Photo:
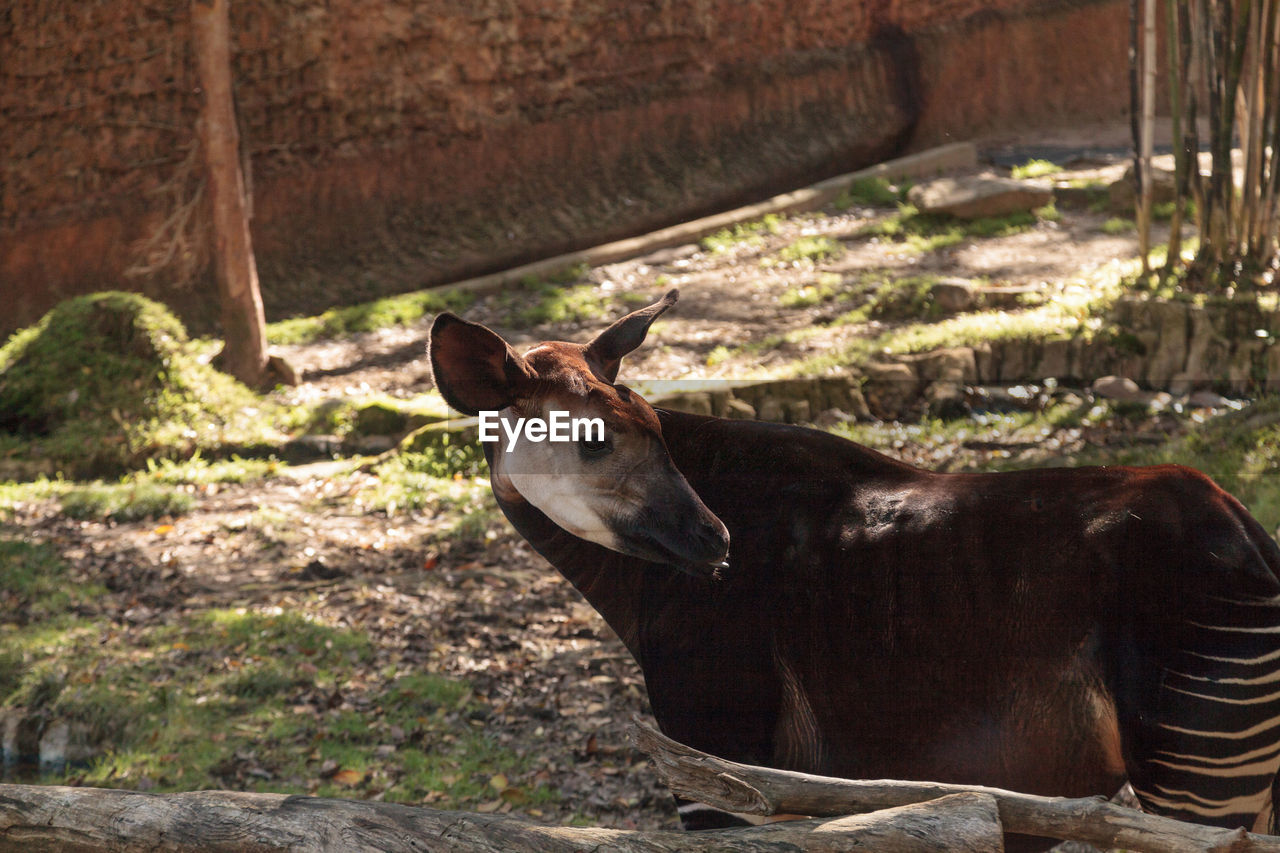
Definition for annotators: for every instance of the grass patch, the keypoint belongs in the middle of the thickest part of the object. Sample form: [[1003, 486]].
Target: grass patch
[[870, 192], [902, 298], [1035, 169], [248, 700], [721, 354], [198, 471], [432, 482], [1240, 450], [1117, 225], [33, 588], [742, 234], [566, 305], [124, 502], [14, 494], [1077, 311], [403, 310], [827, 287], [560, 298], [807, 250], [923, 233]]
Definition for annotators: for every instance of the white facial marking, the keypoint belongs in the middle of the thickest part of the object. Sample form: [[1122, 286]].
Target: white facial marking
[[554, 478]]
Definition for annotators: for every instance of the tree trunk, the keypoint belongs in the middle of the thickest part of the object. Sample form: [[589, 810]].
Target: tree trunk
[[747, 789], [35, 819], [244, 355]]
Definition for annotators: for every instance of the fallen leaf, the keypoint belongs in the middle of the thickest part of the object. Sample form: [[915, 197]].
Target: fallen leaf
[[348, 777], [499, 782], [491, 806], [515, 796], [163, 530]]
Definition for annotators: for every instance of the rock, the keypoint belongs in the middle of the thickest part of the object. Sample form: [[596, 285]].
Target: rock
[[280, 371], [1122, 389], [308, 447], [1005, 297], [1058, 358], [799, 412], [696, 403], [1160, 401], [1167, 343], [1016, 358], [771, 409], [953, 364], [1070, 398], [976, 197], [1271, 363], [452, 431], [372, 445], [380, 419], [953, 295], [662, 257], [891, 387], [1206, 399], [947, 400], [1122, 194], [831, 417], [1067, 196]]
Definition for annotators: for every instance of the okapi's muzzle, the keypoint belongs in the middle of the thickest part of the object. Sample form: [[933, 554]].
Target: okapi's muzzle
[[677, 529]]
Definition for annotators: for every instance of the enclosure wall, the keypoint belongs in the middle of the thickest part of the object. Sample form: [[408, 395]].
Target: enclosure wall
[[397, 144]]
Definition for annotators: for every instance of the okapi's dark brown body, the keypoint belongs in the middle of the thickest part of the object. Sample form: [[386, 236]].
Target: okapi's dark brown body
[[880, 621]]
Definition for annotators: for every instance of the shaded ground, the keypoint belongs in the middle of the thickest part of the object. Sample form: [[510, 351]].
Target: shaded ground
[[737, 293], [548, 679]]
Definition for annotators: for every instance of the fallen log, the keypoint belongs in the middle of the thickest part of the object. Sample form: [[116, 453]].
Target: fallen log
[[748, 789], [79, 820]]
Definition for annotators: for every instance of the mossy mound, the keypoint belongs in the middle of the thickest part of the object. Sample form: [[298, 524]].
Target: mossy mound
[[106, 381]]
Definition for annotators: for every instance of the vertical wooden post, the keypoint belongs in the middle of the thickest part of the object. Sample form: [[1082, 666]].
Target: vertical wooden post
[[244, 355]]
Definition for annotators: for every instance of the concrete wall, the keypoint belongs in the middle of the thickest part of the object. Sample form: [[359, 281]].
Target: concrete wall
[[398, 144]]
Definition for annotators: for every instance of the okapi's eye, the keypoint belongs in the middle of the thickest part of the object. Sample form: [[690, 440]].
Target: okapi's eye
[[595, 446]]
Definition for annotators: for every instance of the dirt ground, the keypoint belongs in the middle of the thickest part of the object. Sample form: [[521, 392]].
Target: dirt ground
[[732, 297], [556, 684]]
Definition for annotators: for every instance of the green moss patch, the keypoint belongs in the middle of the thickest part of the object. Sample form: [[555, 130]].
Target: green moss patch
[[929, 232], [402, 310], [106, 381]]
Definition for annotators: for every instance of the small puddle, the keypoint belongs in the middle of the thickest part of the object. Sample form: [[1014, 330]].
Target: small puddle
[[33, 749]]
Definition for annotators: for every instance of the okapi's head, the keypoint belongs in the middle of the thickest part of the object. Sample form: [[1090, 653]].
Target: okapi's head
[[618, 489]]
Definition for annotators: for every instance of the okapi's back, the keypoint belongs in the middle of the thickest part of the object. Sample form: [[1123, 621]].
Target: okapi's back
[[1163, 580]]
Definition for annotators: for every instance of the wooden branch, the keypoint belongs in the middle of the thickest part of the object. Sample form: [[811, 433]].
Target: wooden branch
[[744, 788], [34, 819]]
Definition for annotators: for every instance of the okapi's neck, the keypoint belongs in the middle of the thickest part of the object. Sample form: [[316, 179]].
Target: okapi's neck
[[608, 580], [733, 465]]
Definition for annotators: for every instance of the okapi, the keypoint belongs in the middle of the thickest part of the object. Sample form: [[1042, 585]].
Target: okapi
[[1054, 631]]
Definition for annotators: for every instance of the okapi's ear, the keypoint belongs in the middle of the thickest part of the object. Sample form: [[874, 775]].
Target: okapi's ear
[[475, 369], [608, 348]]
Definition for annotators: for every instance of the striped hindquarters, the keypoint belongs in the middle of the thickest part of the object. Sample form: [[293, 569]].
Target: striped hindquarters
[[1210, 734]]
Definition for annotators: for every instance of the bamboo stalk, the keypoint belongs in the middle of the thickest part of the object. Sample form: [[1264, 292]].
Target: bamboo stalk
[[1193, 73], [1237, 47], [1135, 117], [1148, 130], [1268, 239], [1176, 85], [1249, 108]]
